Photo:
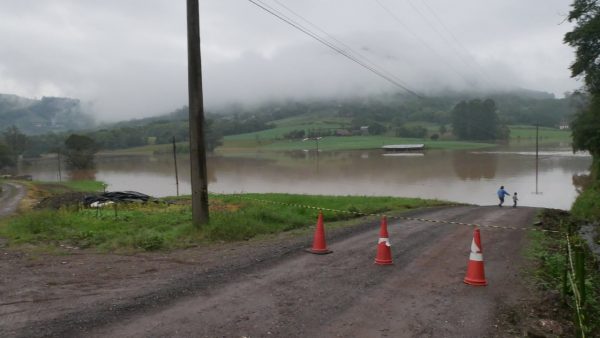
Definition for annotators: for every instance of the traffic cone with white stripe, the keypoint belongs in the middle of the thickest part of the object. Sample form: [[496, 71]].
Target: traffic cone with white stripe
[[475, 273], [384, 251], [319, 245]]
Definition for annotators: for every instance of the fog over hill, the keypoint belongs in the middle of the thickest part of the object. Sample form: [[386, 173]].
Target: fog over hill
[[48, 114], [56, 114], [135, 66]]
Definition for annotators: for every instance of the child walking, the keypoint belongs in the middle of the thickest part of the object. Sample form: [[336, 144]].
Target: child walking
[[515, 199]]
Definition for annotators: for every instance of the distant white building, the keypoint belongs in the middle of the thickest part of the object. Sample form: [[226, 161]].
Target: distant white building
[[563, 125]]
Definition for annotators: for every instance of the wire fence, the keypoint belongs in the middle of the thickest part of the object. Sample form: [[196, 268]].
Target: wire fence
[[359, 213], [576, 279]]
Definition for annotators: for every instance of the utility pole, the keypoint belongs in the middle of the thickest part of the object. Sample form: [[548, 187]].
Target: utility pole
[[59, 171], [175, 161], [537, 127], [196, 107]]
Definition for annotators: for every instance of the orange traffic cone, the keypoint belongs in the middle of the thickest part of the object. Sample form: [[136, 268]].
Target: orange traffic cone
[[319, 245], [475, 273], [384, 252]]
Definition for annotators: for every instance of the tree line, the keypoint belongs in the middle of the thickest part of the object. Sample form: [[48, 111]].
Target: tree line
[[585, 38], [472, 118]]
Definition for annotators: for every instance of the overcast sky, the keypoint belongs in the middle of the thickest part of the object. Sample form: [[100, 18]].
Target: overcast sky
[[128, 58]]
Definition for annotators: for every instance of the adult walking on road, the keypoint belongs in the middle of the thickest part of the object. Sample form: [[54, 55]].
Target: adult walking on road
[[501, 193]]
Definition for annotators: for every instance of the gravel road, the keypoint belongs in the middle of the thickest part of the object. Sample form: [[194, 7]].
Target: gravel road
[[272, 288]]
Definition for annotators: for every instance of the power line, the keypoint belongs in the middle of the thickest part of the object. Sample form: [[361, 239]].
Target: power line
[[457, 43], [347, 47], [439, 20], [480, 68], [315, 36], [273, 11], [423, 42]]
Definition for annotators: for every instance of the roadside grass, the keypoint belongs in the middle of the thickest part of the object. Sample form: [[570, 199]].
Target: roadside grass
[[163, 226], [548, 251], [587, 204]]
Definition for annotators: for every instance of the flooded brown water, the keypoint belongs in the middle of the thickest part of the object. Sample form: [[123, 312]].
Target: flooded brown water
[[461, 176]]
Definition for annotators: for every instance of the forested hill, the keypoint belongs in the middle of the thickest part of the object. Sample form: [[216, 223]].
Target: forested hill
[[397, 114], [49, 114], [513, 107]]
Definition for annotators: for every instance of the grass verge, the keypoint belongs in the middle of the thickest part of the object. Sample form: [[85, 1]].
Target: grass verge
[[166, 226], [548, 250], [587, 205]]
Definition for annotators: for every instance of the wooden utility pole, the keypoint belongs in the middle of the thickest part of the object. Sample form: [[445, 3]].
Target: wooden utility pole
[[59, 171], [176, 171], [196, 106], [537, 159]]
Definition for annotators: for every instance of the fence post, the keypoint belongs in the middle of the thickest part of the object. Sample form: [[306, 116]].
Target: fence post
[[580, 281], [565, 286], [580, 274]]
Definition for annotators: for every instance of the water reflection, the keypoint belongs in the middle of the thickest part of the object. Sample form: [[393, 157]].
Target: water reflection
[[462, 176], [474, 165], [82, 174]]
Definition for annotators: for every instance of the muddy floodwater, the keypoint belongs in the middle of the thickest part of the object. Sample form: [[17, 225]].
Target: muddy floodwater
[[454, 175]]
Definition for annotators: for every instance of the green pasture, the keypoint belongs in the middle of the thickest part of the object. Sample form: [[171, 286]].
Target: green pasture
[[522, 133]]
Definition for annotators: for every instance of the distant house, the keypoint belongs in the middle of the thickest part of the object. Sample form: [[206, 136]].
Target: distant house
[[563, 125], [364, 130], [343, 132]]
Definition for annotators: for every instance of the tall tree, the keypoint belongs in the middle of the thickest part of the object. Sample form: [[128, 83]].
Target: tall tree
[[15, 141], [80, 151], [477, 120], [585, 38], [6, 160]]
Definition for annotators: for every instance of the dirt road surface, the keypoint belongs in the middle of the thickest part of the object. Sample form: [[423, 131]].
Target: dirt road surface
[[272, 288], [10, 196]]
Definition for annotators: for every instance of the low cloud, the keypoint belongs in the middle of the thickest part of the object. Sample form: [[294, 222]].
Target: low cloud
[[128, 59]]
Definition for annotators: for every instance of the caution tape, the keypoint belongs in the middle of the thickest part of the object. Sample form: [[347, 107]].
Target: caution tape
[[396, 217], [576, 294]]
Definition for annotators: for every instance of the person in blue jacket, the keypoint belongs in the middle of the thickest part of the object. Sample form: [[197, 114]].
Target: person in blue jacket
[[501, 193]]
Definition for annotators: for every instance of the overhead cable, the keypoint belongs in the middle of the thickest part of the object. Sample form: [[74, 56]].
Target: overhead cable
[[322, 40], [331, 37], [423, 42], [480, 68], [457, 53]]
